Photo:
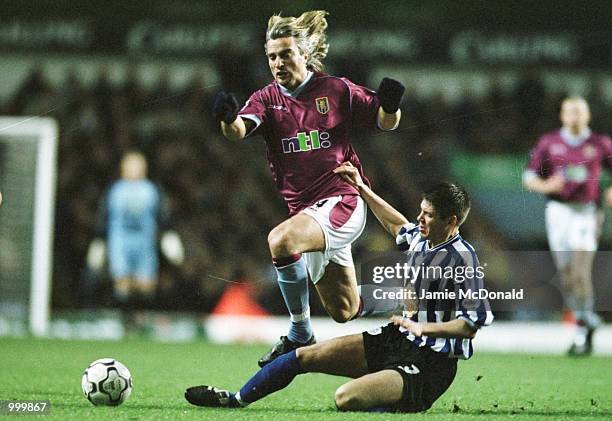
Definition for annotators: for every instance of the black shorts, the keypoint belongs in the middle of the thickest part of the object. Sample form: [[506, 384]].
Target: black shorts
[[426, 373]]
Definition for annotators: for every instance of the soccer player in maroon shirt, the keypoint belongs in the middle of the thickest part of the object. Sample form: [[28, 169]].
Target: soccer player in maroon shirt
[[566, 166], [307, 119]]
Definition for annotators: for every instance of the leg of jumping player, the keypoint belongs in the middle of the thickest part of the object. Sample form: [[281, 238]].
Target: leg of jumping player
[[287, 241], [338, 292], [344, 300]]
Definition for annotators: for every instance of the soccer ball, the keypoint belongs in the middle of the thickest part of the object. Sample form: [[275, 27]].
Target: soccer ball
[[106, 382]]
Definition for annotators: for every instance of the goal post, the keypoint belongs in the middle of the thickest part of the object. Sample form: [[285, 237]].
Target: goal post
[[28, 172]]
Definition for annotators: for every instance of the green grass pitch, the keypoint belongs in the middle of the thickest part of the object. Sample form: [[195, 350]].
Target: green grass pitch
[[488, 386]]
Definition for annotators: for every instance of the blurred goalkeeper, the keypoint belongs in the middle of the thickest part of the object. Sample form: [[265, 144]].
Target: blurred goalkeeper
[[308, 119], [130, 216]]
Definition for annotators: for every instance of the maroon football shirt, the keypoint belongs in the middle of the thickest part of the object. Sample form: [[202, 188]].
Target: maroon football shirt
[[580, 165], [308, 134]]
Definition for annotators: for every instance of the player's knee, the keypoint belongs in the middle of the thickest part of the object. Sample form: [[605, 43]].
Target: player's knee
[[580, 278], [575, 282], [280, 242], [343, 312], [307, 357], [342, 315], [346, 400]]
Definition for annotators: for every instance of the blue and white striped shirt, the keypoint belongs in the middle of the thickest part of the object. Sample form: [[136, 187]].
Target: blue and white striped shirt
[[444, 268]]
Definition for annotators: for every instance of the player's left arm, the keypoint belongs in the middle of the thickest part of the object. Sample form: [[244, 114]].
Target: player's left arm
[[457, 328], [96, 252], [390, 93]]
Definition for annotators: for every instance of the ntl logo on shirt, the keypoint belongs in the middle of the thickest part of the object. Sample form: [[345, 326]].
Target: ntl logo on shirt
[[303, 142]]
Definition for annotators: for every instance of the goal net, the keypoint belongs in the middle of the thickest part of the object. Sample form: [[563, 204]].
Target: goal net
[[28, 148]]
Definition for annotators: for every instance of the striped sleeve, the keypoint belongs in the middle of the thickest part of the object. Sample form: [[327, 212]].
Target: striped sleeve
[[406, 235], [469, 279]]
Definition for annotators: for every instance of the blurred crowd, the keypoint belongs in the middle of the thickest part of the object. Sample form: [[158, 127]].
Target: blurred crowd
[[223, 201]]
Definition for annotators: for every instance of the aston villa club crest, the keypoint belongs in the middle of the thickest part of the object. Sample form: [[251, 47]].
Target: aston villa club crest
[[322, 105], [589, 152]]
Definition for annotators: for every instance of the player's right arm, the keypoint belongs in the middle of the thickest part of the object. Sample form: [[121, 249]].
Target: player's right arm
[[238, 129], [457, 328], [550, 185], [532, 177], [233, 126], [225, 109], [389, 217]]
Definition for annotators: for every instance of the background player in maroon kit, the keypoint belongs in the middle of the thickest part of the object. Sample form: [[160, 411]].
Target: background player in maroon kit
[[566, 165], [307, 118]]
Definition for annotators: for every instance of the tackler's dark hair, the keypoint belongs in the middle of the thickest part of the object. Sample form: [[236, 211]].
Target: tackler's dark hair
[[449, 199]]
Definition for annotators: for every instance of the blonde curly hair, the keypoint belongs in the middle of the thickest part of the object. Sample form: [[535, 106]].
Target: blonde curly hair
[[308, 30]]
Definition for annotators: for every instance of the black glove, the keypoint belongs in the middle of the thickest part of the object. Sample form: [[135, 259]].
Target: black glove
[[225, 107], [390, 94]]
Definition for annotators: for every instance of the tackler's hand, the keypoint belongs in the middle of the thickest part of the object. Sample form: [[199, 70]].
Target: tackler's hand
[[413, 327], [349, 173]]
